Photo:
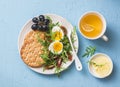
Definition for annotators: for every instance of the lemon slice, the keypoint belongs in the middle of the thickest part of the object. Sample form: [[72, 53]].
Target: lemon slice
[[88, 27]]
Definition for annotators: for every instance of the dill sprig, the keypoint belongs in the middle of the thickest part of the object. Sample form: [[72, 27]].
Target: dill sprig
[[90, 50], [95, 64]]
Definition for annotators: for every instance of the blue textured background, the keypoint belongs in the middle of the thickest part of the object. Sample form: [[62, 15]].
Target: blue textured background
[[14, 14]]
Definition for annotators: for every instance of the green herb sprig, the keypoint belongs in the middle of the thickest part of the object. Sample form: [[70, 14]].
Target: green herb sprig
[[90, 50], [73, 34], [73, 37], [95, 64]]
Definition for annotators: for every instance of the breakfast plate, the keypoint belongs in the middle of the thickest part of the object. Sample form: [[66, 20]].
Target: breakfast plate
[[55, 18]]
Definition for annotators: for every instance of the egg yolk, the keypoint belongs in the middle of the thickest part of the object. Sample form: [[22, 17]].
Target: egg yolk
[[57, 46], [58, 35]]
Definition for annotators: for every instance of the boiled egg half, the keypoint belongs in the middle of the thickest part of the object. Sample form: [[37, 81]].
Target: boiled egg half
[[57, 33], [56, 47]]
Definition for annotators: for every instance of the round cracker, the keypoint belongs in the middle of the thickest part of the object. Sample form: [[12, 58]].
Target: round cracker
[[31, 49]]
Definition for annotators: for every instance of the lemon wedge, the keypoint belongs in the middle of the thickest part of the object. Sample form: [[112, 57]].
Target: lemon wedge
[[87, 27]]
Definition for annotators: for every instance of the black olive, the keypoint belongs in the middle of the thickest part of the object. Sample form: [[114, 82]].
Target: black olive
[[45, 27], [40, 27], [35, 20], [34, 27], [41, 18], [47, 21]]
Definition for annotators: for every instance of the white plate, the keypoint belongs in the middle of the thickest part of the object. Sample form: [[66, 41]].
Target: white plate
[[55, 18]]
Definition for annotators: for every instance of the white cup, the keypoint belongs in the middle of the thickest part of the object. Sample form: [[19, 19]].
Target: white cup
[[101, 35]]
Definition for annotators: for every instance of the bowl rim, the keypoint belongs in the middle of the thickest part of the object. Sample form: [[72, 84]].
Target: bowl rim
[[93, 74]]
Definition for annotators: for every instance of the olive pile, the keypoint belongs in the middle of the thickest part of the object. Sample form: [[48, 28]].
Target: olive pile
[[40, 23]]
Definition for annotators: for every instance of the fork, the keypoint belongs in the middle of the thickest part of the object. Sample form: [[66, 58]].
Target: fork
[[77, 60]]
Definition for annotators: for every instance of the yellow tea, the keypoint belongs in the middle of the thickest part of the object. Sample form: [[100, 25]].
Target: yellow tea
[[91, 25]]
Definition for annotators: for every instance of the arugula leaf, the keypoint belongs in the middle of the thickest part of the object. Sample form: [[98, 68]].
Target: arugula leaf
[[90, 50], [58, 69], [66, 44], [49, 19], [51, 25], [64, 56]]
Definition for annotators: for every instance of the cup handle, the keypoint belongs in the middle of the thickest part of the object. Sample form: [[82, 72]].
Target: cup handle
[[105, 38]]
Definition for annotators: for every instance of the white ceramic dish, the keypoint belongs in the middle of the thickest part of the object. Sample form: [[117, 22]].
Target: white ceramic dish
[[55, 18], [91, 70]]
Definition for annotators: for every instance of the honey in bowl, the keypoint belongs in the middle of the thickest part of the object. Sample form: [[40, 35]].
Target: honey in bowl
[[91, 25]]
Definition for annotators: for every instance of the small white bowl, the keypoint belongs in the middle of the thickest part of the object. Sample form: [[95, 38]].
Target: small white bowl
[[91, 70]]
